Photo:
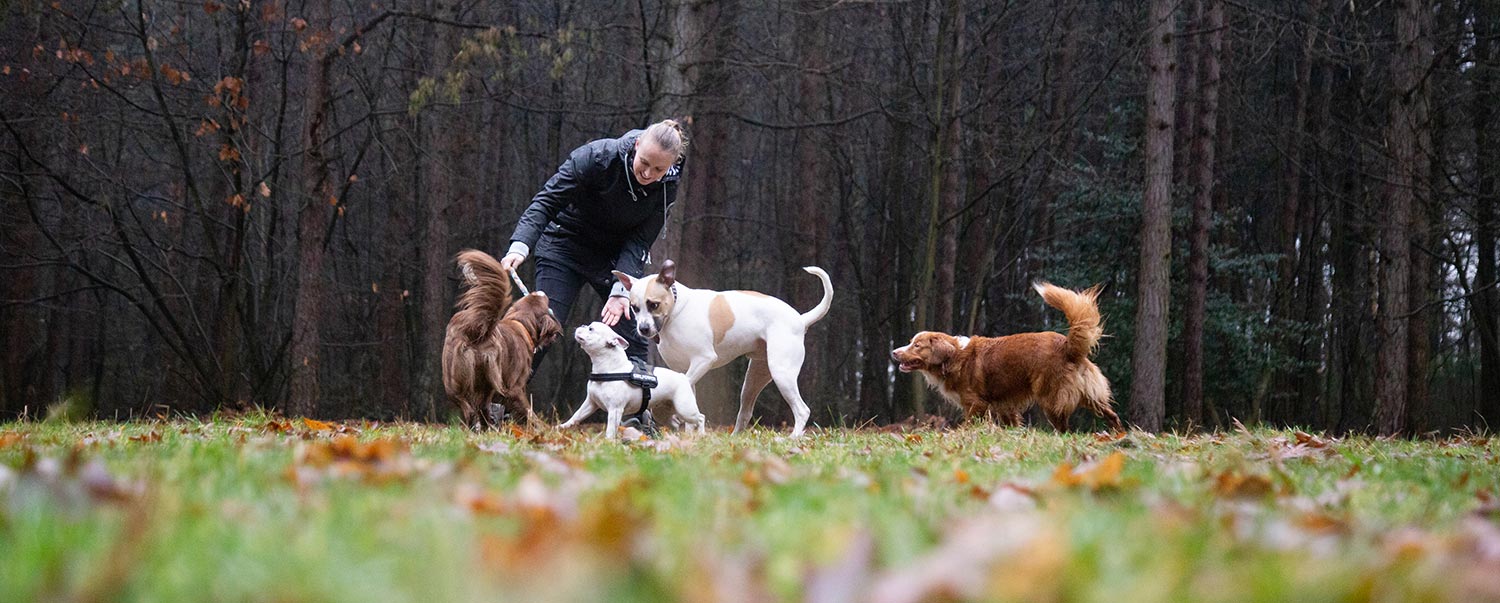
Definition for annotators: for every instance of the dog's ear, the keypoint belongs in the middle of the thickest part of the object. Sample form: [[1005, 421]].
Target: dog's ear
[[617, 342], [551, 329], [623, 278], [668, 273], [942, 350]]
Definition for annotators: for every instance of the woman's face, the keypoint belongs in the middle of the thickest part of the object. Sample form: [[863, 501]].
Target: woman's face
[[651, 161]]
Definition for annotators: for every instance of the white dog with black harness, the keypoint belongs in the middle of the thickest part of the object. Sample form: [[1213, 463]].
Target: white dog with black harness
[[610, 388]]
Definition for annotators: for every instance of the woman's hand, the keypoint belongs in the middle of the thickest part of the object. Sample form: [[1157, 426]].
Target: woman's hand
[[614, 309], [511, 261]]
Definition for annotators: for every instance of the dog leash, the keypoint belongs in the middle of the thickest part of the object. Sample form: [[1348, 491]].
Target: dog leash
[[516, 278]]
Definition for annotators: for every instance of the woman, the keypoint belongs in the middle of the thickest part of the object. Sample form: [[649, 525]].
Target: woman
[[600, 212]]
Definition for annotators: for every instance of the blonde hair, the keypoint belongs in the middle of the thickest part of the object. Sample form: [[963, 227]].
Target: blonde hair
[[669, 135]]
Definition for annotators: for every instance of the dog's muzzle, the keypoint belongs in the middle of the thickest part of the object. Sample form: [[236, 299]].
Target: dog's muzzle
[[906, 367], [645, 327]]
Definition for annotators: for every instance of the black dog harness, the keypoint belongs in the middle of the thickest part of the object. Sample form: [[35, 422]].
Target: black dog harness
[[645, 391]]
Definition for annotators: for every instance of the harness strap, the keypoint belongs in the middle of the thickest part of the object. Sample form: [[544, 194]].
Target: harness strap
[[645, 391]]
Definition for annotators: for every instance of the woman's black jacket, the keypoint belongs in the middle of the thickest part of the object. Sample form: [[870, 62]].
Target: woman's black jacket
[[593, 216]]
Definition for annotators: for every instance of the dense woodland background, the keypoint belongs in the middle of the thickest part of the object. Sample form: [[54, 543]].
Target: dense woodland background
[[1291, 204]]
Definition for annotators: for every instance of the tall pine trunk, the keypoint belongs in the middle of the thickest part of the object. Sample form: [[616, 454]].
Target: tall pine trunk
[[1405, 132], [1487, 163], [1148, 387], [1204, 146]]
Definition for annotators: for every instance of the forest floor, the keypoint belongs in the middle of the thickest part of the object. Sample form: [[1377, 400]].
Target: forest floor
[[261, 508]]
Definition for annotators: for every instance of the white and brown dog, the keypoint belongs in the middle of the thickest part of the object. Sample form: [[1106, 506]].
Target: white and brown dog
[[701, 330], [606, 350]]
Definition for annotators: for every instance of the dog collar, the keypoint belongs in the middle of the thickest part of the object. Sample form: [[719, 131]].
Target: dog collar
[[673, 289], [610, 376], [531, 343]]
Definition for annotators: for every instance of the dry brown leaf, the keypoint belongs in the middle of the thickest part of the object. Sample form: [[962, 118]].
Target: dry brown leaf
[[344, 456], [317, 425], [479, 501], [1235, 485], [1322, 523], [1094, 476], [1311, 441], [1489, 505]]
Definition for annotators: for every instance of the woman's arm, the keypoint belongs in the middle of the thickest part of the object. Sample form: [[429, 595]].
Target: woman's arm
[[560, 191]]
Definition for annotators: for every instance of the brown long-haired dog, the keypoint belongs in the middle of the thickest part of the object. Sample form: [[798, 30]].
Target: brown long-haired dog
[[490, 342], [1001, 376]]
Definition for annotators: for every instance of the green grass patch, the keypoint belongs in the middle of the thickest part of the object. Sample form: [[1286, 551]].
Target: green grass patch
[[259, 508]]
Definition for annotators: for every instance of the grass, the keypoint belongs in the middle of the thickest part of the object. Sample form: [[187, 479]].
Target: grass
[[259, 508]]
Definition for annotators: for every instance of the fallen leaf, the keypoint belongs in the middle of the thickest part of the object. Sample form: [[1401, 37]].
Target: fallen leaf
[[1309, 440], [1094, 476], [317, 425], [1235, 485]]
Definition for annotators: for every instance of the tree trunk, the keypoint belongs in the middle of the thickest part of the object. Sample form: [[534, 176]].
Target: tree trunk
[[814, 201], [951, 189], [312, 224], [934, 311], [1405, 131], [1204, 146], [1486, 309], [1148, 387], [694, 75]]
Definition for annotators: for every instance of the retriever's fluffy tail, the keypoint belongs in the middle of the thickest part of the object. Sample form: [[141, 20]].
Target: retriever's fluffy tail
[[819, 311], [1082, 310], [487, 297]]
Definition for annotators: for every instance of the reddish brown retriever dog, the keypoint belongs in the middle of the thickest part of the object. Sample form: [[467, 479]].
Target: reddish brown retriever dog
[[487, 354], [1001, 376]]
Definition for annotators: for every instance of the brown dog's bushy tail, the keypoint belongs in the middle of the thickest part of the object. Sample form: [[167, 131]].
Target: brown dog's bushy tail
[[487, 297], [1082, 309]]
